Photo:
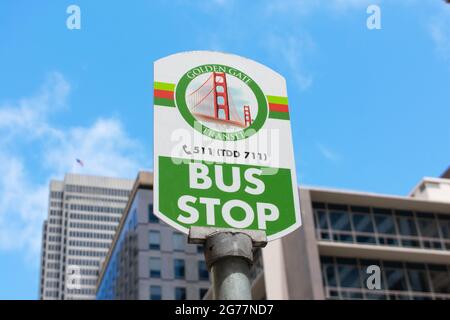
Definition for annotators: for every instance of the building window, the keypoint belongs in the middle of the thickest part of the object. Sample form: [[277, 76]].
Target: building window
[[346, 279], [203, 273], [179, 241], [151, 216], [395, 276], [418, 277], [179, 269], [348, 273], [322, 223], [180, 293], [428, 229], [154, 240], [155, 268], [385, 223], [432, 185], [407, 228], [362, 223], [203, 292], [340, 221], [155, 293], [381, 226], [328, 272], [439, 278], [444, 223]]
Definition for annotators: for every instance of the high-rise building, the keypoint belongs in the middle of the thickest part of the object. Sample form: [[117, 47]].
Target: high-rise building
[[83, 214], [149, 260], [349, 239]]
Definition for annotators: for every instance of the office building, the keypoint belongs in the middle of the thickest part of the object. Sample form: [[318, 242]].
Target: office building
[[84, 212], [346, 232], [149, 260]]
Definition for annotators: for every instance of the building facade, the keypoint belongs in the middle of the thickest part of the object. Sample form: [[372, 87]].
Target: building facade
[[347, 237], [149, 260], [84, 212]]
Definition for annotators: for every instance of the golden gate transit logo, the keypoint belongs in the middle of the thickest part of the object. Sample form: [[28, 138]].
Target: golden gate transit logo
[[227, 103], [213, 102]]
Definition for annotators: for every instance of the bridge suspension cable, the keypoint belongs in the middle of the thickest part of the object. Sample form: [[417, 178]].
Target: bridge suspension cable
[[212, 102]]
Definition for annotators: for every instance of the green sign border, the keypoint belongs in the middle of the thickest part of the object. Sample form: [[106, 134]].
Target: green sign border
[[180, 100]]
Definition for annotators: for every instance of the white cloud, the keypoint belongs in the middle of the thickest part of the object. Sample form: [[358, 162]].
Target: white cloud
[[223, 2], [310, 6], [291, 6], [210, 6], [32, 146], [440, 32], [291, 51], [29, 116], [294, 48], [22, 207], [327, 153], [342, 5], [104, 148]]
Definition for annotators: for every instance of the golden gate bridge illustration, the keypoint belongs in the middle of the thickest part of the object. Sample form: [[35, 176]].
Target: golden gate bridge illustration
[[211, 102]]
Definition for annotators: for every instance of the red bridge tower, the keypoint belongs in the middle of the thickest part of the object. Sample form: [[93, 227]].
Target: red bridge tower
[[220, 95], [247, 116]]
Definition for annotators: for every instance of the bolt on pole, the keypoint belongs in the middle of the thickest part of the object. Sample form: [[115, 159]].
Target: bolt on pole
[[229, 256]]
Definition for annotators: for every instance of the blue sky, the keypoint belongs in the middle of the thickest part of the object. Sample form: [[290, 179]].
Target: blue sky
[[369, 108]]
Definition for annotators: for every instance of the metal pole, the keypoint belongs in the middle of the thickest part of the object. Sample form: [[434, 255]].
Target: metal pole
[[229, 257]]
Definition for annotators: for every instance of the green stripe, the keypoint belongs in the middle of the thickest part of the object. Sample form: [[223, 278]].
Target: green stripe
[[277, 100], [164, 86], [163, 102], [279, 115]]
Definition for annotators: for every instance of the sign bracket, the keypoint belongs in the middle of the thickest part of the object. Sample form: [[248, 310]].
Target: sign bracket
[[229, 256]]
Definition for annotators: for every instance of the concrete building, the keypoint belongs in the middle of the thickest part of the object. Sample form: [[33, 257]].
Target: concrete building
[[84, 212], [148, 259], [446, 174], [345, 232]]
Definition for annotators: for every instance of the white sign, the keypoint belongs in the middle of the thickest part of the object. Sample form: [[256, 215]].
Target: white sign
[[223, 153]]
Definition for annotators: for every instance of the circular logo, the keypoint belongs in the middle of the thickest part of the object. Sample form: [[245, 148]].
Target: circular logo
[[221, 102]]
